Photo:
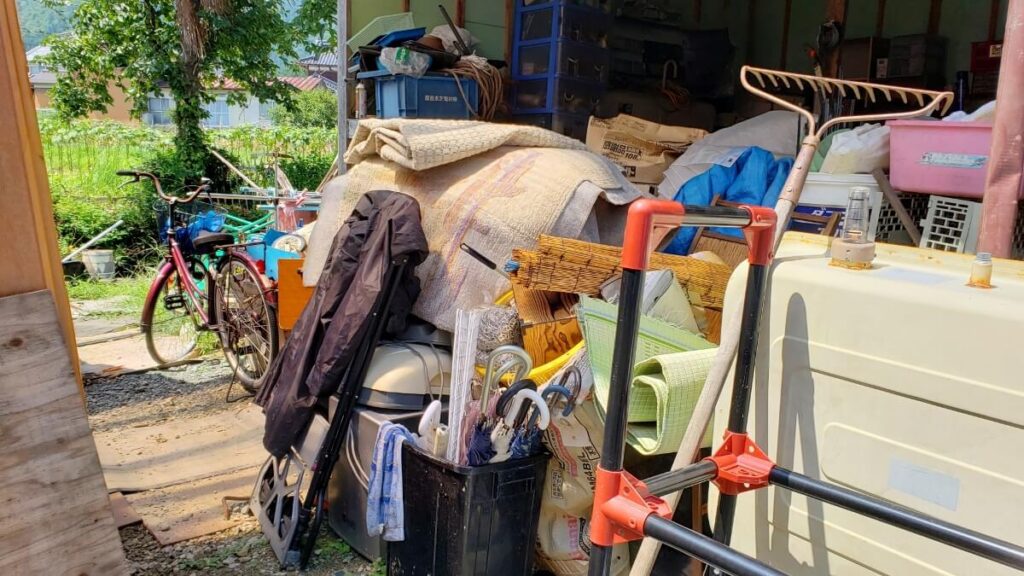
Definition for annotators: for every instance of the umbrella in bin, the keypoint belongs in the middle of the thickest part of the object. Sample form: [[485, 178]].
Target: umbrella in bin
[[481, 449], [511, 433], [528, 439]]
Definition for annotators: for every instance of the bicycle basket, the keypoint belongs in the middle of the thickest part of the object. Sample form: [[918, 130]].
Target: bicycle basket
[[191, 219]]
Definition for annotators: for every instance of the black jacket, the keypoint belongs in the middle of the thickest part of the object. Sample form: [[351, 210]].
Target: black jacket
[[335, 320]]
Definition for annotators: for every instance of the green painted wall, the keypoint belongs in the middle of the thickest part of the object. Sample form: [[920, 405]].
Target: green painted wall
[[963, 22]]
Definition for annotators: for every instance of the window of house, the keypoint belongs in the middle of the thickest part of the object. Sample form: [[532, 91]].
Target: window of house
[[160, 110], [217, 114]]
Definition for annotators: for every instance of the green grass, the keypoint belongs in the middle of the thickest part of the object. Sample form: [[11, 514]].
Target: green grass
[[132, 290]]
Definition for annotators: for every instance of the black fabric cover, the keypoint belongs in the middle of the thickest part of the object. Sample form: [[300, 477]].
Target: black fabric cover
[[335, 320]]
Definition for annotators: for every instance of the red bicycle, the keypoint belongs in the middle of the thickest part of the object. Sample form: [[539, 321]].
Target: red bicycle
[[207, 283]]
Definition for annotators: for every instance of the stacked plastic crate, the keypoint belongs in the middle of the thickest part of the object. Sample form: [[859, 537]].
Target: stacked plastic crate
[[560, 62]]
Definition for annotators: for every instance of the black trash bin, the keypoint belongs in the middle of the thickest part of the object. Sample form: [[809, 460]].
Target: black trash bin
[[462, 520]]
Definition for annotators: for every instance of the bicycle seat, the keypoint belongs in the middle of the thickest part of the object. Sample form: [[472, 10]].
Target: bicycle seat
[[206, 242]]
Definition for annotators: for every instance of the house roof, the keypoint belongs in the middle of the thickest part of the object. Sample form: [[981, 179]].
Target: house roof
[[42, 79], [328, 60], [302, 83], [37, 52]]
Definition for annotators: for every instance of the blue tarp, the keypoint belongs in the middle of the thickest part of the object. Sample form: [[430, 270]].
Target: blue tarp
[[755, 178]]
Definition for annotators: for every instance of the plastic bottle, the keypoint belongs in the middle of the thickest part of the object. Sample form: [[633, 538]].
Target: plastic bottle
[[360, 100], [981, 271]]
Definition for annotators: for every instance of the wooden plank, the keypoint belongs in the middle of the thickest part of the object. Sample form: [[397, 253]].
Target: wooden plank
[[28, 238], [897, 206], [880, 19], [993, 20], [460, 13], [787, 13], [546, 341], [935, 17], [55, 517], [292, 296], [510, 24], [834, 10], [565, 265], [121, 509]]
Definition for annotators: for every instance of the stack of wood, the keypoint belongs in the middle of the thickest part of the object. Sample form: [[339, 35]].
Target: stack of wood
[[549, 277]]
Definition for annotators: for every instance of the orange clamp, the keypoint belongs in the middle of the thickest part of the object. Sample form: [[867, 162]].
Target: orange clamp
[[760, 234], [621, 507], [644, 216], [742, 465]]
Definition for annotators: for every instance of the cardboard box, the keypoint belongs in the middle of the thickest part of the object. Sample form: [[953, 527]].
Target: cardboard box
[[643, 149]]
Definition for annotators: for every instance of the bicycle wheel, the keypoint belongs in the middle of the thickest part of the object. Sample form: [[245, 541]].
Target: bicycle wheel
[[246, 321], [170, 321]]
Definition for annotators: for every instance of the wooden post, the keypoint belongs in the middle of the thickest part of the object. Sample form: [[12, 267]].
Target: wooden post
[[880, 19], [460, 13], [28, 238], [834, 10], [786, 15], [935, 17], [510, 29], [993, 21], [405, 5]]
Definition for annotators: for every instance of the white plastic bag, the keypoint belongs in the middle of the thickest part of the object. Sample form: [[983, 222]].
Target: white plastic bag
[[575, 443], [444, 32], [857, 151], [401, 60]]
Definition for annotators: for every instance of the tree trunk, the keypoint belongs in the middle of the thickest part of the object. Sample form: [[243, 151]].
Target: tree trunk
[[189, 114]]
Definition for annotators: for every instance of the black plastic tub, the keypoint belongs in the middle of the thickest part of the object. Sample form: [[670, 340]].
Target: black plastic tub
[[462, 520]]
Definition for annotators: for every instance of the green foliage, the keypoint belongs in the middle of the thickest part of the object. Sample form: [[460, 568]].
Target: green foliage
[[313, 109], [189, 45], [83, 156], [306, 172], [378, 568], [39, 20]]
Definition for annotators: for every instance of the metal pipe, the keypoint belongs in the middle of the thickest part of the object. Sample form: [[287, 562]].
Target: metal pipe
[[705, 549], [618, 395], [94, 240], [721, 216], [968, 540], [342, 8], [676, 480], [743, 381], [1004, 182]]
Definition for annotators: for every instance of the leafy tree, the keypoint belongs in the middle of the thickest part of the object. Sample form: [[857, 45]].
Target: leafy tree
[[186, 45], [39, 21], [316, 108]]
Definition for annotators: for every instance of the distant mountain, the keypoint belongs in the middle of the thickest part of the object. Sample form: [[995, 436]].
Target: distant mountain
[[39, 21]]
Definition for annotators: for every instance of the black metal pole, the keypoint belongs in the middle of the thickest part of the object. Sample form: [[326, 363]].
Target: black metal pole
[[618, 395], [705, 549], [743, 381], [676, 480], [968, 540]]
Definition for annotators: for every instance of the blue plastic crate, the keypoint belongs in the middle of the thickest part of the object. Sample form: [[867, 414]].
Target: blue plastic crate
[[432, 96]]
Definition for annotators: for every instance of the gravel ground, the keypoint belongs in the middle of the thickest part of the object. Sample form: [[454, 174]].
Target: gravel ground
[[193, 391]]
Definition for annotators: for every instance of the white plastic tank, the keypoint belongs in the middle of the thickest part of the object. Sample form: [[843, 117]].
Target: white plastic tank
[[899, 381]]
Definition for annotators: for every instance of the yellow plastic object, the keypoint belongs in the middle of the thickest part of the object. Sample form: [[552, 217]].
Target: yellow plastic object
[[544, 372], [899, 381]]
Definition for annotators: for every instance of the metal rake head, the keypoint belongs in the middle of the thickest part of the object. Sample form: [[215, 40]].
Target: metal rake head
[[927, 100]]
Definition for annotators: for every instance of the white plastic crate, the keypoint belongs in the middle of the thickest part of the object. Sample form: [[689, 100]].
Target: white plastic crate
[[952, 225], [833, 191], [889, 229]]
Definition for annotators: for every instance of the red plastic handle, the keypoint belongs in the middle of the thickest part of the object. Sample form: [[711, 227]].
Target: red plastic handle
[[644, 216], [760, 234]]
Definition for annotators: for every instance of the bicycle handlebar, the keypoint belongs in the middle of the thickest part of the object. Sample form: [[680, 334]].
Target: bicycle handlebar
[[138, 176]]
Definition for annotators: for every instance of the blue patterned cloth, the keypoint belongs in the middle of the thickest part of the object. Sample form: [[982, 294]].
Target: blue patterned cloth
[[385, 504], [756, 178]]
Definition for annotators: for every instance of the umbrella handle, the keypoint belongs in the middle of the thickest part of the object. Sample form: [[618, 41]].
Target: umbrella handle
[[519, 355], [539, 406], [555, 390]]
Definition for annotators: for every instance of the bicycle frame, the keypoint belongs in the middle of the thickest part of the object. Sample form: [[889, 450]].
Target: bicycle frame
[[627, 509]]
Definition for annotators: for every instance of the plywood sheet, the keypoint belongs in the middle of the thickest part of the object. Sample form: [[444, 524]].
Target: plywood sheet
[[182, 450], [121, 509], [54, 513], [192, 509]]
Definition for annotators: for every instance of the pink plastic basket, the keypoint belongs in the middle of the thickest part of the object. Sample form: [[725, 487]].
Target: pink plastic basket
[[947, 158]]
